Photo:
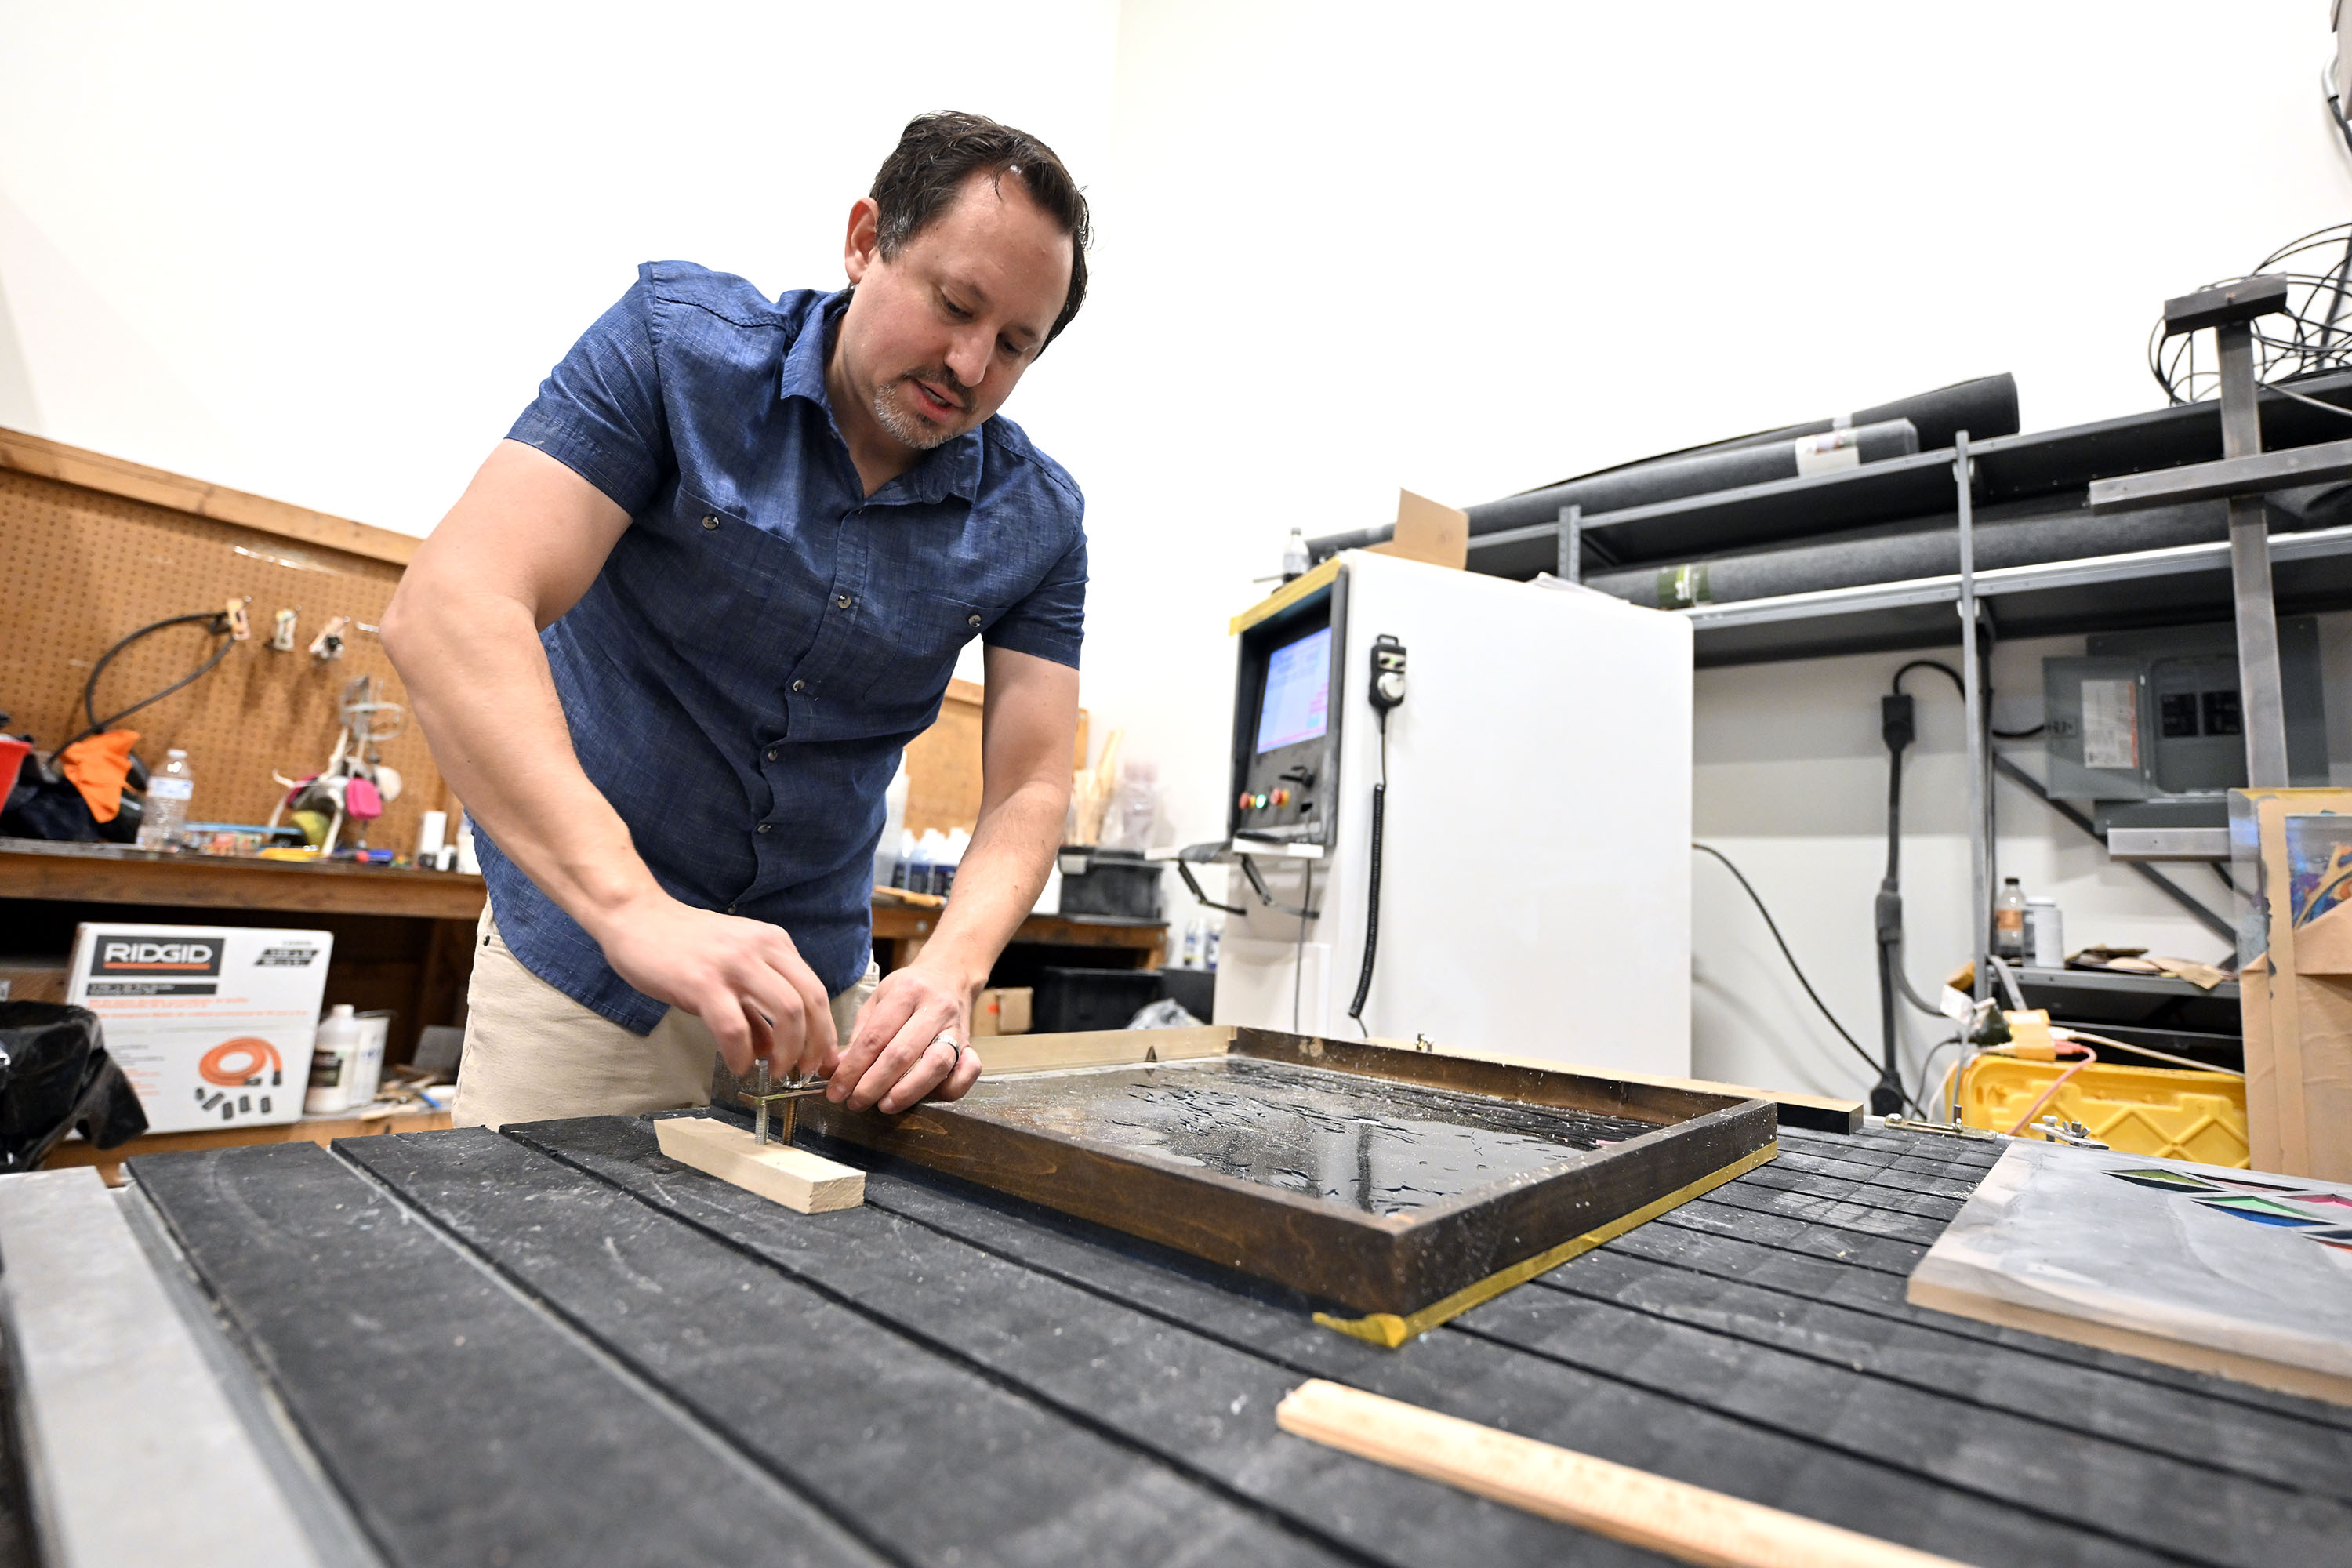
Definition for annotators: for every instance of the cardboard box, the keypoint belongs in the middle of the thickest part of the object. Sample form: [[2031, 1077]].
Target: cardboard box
[[213, 1025], [2293, 850], [1002, 1011]]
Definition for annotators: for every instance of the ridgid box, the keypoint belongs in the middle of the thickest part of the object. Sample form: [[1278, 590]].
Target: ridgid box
[[212, 1024]]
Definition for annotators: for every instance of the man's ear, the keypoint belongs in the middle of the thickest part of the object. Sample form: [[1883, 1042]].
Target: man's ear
[[862, 247]]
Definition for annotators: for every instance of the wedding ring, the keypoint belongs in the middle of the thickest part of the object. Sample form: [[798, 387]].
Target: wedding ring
[[947, 1037]]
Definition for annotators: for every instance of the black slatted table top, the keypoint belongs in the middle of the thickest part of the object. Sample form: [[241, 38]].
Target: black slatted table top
[[554, 1345]]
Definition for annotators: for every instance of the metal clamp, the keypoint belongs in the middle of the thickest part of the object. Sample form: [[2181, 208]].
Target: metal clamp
[[763, 1095]]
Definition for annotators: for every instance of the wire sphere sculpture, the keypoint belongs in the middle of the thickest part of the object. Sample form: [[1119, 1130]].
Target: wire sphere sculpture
[[2314, 335]]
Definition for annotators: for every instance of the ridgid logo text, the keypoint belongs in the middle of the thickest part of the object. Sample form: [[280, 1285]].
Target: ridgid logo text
[[144, 956]]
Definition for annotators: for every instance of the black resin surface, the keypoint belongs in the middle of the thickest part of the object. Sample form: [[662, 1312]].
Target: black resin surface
[[1382, 1146]]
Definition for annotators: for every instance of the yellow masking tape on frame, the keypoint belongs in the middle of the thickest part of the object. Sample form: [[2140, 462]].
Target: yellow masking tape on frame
[[1390, 1330]]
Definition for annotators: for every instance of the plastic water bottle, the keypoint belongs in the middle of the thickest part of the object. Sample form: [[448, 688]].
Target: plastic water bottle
[[1196, 938], [168, 794], [903, 867], [334, 1062], [1210, 944], [1294, 555], [2009, 921]]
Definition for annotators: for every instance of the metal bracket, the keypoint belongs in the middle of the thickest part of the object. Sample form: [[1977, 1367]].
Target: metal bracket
[[1214, 854], [1202, 899], [1265, 894]]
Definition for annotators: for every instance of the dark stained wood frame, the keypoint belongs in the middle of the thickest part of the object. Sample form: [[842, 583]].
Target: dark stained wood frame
[[1331, 1251]]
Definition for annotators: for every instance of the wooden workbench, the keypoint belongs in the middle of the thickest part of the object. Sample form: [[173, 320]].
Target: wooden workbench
[[404, 938], [319, 1129], [900, 931], [669, 1369]]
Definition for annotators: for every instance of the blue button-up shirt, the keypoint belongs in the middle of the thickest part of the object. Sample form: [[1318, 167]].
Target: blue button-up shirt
[[765, 637]]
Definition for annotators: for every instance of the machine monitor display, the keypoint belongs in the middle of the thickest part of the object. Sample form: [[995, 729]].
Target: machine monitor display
[[1296, 705]]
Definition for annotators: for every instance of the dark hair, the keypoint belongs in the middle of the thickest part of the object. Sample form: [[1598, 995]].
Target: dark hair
[[938, 152]]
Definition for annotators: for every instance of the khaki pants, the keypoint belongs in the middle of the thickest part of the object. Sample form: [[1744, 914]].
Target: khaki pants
[[532, 1054]]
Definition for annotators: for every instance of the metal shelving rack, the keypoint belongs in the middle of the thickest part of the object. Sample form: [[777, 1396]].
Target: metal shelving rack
[[2164, 457]]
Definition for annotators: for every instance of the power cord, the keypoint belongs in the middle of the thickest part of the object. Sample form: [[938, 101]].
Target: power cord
[[1794, 967], [216, 624]]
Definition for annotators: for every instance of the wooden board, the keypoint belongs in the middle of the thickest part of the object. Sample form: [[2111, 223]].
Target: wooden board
[[1816, 1112], [2216, 1269], [1688, 1522], [1456, 1169], [1003, 1054], [803, 1182], [113, 874]]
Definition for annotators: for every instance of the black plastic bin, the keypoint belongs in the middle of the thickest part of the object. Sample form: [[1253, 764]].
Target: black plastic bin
[[1068, 1000], [1119, 883], [1194, 990]]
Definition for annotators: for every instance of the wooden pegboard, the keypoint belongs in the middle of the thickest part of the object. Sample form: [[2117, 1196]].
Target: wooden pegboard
[[83, 566]]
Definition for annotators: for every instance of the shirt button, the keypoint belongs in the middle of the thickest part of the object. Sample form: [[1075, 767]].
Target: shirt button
[[711, 523], [798, 685], [730, 909], [771, 753], [763, 828], [842, 601], [973, 621]]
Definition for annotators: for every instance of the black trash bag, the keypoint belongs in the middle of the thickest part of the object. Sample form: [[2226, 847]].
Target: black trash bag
[[55, 1075], [45, 804]]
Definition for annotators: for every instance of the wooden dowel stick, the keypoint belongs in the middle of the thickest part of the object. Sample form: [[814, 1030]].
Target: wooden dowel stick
[[1649, 1510]]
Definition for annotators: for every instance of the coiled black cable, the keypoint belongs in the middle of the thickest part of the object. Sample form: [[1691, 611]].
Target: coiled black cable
[[216, 624], [1372, 887]]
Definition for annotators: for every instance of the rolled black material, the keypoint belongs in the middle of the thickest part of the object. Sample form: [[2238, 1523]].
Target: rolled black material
[[1984, 407], [1932, 550], [1698, 474]]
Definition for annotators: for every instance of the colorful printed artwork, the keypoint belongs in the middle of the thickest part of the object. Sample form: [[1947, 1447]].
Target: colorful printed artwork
[[2319, 863], [2320, 1214], [2243, 1273]]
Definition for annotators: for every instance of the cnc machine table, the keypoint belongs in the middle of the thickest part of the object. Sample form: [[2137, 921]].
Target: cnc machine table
[[553, 1345]]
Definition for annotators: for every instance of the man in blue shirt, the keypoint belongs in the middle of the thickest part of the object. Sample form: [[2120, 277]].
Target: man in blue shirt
[[670, 643]]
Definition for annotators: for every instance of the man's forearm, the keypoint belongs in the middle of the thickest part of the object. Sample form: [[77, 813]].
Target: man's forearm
[[997, 884], [479, 681]]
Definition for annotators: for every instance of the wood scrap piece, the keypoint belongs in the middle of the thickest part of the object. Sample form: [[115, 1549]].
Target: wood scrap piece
[[1685, 1521], [1002, 1053], [807, 1182]]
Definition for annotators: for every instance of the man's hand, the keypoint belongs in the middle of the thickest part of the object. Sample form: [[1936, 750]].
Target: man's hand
[[891, 1062], [744, 979]]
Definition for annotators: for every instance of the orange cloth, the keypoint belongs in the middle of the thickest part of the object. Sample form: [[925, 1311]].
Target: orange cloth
[[98, 767]]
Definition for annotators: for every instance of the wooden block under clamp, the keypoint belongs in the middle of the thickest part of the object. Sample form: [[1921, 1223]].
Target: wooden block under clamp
[[807, 1182]]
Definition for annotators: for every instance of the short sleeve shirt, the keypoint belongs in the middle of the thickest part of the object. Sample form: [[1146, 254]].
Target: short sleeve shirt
[[765, 637]]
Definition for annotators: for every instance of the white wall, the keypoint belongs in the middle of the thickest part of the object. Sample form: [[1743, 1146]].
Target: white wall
[[1466, 249], [326, 254]]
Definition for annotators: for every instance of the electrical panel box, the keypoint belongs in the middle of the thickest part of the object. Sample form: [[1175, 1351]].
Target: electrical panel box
[[1288, 710], [2156, 716]]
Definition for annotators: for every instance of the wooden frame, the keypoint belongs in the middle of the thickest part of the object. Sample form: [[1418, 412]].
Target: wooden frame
[[1397, 1264]]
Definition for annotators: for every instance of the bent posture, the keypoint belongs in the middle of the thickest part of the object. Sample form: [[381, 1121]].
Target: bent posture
[[670, 643]]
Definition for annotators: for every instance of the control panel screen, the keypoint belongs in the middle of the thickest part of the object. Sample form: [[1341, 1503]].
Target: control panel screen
[[1297, 692]]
